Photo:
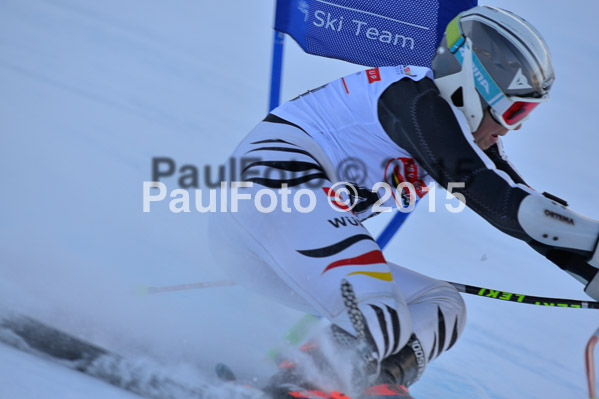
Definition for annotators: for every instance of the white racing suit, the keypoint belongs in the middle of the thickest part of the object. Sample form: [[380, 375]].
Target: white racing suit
[[384, 125]]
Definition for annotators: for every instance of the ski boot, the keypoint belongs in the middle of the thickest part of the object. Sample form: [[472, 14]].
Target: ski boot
[[405, 367]]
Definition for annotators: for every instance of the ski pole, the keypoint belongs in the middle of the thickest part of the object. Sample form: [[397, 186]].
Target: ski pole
[[520, 298], [589, 363], [143, 290], [463, 288]]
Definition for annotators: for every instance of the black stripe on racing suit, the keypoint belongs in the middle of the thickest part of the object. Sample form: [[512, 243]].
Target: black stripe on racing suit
[[418, 119]]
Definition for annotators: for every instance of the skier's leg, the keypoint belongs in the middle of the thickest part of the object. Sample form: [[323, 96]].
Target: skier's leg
[[300, 258], [438, 318], [437, 308]]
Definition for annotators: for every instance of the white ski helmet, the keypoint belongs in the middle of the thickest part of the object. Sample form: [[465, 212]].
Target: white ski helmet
[[493, 58]]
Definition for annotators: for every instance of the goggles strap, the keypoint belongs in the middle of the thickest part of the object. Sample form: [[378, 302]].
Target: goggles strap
[[454, 35], [484, 83]]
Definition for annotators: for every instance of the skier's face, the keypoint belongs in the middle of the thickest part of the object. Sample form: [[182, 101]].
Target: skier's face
[[488, 132]]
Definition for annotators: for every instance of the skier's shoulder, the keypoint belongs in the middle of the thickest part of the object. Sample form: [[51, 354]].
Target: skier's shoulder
[[410, 84], [417, 99], [382, 77], [364, 89]]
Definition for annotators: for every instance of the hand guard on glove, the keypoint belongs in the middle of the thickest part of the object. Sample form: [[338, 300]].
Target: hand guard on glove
[[566, 238]]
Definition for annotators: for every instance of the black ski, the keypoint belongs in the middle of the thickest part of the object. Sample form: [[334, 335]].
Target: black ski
[[40, 339]]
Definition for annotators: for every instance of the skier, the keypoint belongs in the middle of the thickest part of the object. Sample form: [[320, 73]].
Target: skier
[[410, 125]]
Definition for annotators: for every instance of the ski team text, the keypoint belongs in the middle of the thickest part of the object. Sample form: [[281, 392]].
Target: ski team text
[[360, 28]]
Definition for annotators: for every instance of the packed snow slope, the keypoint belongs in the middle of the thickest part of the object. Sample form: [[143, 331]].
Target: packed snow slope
[[92, 91]]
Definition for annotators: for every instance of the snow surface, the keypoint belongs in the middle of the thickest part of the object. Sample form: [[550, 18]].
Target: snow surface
[[31, 377], [91, 91]]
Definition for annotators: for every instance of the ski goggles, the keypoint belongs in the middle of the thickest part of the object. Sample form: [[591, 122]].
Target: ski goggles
[[509, 111], [517, 111]]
